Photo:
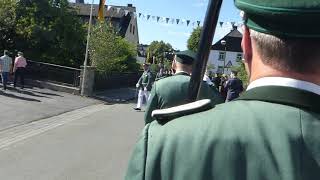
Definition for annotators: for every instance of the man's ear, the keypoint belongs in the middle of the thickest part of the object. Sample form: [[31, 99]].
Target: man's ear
[[246, 45]]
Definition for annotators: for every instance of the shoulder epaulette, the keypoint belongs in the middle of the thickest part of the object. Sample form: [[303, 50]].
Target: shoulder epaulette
[[159, 78], [166, 115]]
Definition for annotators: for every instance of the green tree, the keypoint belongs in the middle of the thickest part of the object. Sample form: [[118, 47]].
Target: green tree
[[7, 23], [110, 52], [242, 73], [158, 49], [194, 39], [210, 67], [50, 31]]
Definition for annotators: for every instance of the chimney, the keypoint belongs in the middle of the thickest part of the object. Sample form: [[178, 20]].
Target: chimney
[[80, 1], [130, 5]]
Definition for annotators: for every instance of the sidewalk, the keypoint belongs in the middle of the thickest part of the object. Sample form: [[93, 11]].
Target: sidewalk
[[117, 95], [22, 106]]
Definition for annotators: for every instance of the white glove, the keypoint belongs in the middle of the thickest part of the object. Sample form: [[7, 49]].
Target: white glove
[[145, 89], [137, 85]]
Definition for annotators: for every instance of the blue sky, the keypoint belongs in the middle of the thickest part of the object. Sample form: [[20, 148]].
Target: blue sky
[[176, 35]]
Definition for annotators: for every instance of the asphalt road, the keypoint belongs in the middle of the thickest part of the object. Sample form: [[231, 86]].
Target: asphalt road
[[19, 107], [93, 143]]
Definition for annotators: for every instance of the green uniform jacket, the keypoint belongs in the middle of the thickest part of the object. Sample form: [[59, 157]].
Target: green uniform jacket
[[173, 91], [146, 80], [270, 133]]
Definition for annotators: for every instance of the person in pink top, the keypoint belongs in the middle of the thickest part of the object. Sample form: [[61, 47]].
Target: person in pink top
[[20, 64]]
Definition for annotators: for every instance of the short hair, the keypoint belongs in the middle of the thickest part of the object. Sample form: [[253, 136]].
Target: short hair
[[5, 52], [20, 53], [298, 55], [234, 72]]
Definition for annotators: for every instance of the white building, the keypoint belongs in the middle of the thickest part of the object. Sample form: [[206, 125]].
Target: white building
[[225, 56]]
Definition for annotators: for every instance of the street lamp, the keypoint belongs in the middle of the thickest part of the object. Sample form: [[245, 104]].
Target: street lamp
[[224, 43]]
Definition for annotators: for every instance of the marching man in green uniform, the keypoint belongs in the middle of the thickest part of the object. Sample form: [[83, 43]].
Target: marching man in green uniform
[[173, 91], [144, 85], [272, 132]]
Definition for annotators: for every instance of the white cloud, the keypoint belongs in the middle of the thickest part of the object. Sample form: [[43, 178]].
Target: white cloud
[[177, 33], [200, 3]]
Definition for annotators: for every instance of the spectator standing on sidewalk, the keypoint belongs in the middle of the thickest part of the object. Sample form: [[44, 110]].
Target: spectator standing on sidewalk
[[5, 68], [20, 64], [233, 87]]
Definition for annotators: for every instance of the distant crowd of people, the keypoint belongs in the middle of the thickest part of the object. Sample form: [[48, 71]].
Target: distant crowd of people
[[12, 69], [169, 88]]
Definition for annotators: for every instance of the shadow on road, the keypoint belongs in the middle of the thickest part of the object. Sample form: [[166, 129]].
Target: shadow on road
[[18, 97], [46, 93], [30, 93]]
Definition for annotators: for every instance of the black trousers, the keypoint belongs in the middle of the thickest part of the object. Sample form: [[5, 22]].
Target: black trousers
[[19, 73]]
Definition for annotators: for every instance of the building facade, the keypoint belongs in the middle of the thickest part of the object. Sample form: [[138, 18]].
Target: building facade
[[226, 53], [122, 18]]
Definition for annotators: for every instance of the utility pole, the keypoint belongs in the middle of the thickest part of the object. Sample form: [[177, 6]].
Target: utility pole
[[87, 50], [224, 43]]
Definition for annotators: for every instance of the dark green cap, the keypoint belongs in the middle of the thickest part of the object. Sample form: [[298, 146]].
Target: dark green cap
[[186, 57], [288, 18]]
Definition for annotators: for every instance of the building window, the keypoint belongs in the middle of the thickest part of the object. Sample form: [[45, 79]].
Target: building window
[[134, 28], [220, 69], [222, 55], [130, 27], [239, 57]]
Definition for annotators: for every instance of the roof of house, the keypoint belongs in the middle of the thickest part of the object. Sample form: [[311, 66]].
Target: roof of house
[[84, 10], [233, 42], [120, 18]]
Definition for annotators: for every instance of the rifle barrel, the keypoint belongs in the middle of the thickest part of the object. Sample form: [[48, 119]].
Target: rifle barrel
[[206, 39]]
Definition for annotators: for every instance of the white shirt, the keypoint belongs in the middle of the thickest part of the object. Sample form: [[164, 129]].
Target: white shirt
[[207, 80], [181, 72], [286, 82]]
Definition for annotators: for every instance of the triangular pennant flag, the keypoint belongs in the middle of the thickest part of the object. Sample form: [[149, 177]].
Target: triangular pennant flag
[[148, 17], [153, 17], [139, 14], [178, 20], [221, 23], [198, 23], [188, 22], [172, 20], [183, 21], [108, 8], [158, 18], [118, 10], [193, 23], [126, 12], [163, 19], [167, 20]]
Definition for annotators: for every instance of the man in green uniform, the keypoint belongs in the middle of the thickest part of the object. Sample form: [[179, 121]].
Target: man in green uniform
[[144, 85], [173, 91], [272, 132]]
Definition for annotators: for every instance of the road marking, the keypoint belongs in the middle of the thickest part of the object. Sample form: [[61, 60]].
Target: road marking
[[19, 133]]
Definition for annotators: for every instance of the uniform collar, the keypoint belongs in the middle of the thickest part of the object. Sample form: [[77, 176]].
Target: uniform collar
[[284, 95], [285, 82], [182, 73]]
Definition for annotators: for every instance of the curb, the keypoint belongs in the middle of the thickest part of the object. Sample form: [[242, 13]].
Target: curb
[[113, 100]]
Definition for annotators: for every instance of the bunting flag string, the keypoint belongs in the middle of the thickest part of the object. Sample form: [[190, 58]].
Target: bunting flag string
[[167, 20]]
